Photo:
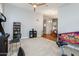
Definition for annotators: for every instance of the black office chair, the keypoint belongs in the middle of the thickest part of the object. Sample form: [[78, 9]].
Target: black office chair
[[3, 37], [21, 52], [61, 44], [4, 45]]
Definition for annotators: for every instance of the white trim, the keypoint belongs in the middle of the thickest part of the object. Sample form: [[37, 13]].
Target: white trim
[[24, 37]]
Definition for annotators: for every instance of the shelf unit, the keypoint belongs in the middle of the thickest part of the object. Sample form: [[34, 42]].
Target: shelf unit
[[16, 31]]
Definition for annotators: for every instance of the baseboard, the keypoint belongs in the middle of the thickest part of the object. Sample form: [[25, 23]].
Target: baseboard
[[39, 35], [24, 37]]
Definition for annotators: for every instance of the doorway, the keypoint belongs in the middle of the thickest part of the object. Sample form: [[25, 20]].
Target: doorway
[[50, 27]]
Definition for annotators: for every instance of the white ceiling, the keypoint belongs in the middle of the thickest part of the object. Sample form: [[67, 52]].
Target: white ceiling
[[51, 9]]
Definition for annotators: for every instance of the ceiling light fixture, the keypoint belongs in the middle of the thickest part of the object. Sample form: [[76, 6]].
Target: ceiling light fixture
[[35, 5]]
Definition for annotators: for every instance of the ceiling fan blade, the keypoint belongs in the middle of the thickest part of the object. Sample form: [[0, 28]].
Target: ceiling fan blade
[[38, 4], [42, 5]]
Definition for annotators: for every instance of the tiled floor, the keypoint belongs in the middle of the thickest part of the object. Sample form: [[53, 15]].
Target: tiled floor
[[42, 47]]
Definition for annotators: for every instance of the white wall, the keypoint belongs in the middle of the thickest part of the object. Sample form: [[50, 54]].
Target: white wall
[[1, 9], [68, 18], [26, 17]]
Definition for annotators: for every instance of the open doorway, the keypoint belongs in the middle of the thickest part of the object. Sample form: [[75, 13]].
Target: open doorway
[[50, 27]]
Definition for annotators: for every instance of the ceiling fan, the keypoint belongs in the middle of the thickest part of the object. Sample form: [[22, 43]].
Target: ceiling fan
[[36, 5]]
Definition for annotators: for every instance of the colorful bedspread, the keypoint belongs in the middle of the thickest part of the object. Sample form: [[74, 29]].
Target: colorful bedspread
[[71, 37]]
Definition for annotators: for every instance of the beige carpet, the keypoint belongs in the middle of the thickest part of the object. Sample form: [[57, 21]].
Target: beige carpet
[[39, 47], [42, 47]]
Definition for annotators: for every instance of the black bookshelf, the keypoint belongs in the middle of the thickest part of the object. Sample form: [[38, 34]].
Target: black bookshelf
[[32, 33], [16, 31]]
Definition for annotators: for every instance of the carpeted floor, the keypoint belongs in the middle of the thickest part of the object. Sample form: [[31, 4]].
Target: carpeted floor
[[41, 47]]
